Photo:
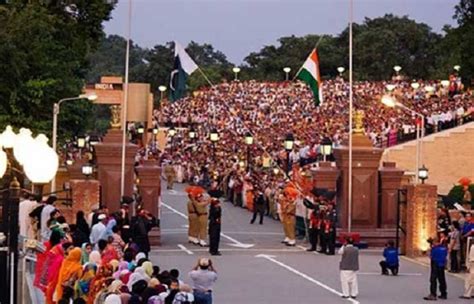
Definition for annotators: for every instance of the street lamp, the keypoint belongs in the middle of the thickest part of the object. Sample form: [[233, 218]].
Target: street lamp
[[341, 70], [415, 85], [162, 90], [81, 141], [214, 136], [389, 101], [423, 174], [155, 131], [429, 89], [445, 83], [288, 144], [287, 71], [326, 147], [56, 106], [141, 129], [192, 134], [397, 69], [87, 169], [248, 142], [39, 166], [390, 87], [236, 71], [172, 132], [457, 67]]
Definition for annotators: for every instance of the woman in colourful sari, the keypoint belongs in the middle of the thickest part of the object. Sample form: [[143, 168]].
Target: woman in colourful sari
[[98, 283], [71, 270], [81, 289], [51, 270], [41, 258]]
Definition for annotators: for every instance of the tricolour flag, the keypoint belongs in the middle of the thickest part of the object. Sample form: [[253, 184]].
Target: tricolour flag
[[309, 73], [183, 67]]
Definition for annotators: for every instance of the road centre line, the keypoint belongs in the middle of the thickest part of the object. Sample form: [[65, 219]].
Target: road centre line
[[183, 248], [304, 276], [236, 243]]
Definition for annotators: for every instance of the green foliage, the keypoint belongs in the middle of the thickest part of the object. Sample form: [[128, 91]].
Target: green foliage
[[464, 36], [457, 193], [43, 59]]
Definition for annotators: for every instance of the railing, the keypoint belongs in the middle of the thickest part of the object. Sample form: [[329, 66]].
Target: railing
[[384, 142]]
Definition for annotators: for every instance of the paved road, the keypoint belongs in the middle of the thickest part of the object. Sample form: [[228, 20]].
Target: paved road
[[269, 272]]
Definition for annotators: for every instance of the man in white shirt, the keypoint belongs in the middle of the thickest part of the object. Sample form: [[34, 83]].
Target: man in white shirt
[[99, 230], [26, 206], [45, 215]]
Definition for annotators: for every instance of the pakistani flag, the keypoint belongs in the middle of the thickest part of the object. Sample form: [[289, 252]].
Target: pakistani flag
[[309, 73], [183, 67]]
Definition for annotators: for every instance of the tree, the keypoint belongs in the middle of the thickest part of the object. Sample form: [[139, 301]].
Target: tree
[[464, 14], [43, 59]]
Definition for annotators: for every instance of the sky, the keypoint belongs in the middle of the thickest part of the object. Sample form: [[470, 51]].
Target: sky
[[238, 27]]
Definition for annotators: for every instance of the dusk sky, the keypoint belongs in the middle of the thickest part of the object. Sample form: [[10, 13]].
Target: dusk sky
[[238, 27]]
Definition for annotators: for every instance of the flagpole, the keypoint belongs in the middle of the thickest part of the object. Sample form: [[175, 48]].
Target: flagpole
[[205, 77], [349, 194], [315, 47], [125, 100]]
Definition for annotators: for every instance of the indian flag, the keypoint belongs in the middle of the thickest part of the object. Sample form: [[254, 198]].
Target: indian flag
[[309, 73]]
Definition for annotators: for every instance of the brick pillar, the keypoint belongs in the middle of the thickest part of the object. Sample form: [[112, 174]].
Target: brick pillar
[[85, 196], [325, 176], [421, 218], [109, 166], [390, 179], [150, 190]]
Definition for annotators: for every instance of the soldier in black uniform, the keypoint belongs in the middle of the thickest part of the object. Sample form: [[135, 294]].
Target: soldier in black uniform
[[215, 214], [331, 235]]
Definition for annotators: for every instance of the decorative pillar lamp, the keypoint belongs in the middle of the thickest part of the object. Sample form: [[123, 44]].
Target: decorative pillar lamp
[[162, 90], [171, 132], [248, 142], [288, 144], [341, 70], [81, 141], [192, 134], [423, 174], [140, 130], [326, 147], [287, 71], [87, 170], [154, 131], [214, 136], [236, 71], [397, 69], [415, 85]]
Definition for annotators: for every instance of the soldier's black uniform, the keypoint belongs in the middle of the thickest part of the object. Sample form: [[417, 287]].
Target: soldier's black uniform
[[215, 214]]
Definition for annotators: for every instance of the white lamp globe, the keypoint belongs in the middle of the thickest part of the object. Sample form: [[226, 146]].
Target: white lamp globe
[[3, 163], [23, 144], [8, 138], [41, 166]]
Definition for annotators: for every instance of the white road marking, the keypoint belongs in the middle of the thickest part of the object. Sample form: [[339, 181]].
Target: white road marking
[[230, 250], [304, 248], [181, 246], [235, 242], [171, 191], [271, 258], [415, 274]]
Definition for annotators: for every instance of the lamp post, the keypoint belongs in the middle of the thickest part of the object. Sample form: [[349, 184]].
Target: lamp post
[[20, 156], [341, 70], [423, 174], [415, 85], [397, 69], [87, 170], [390, 87], [192, 133], [391, 102], [249, 143], [214, 137], [288, 144], [56, 107], [236, 71], [162, 90], [457, 67], [326, 147], [171, 134], [287, 71]]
